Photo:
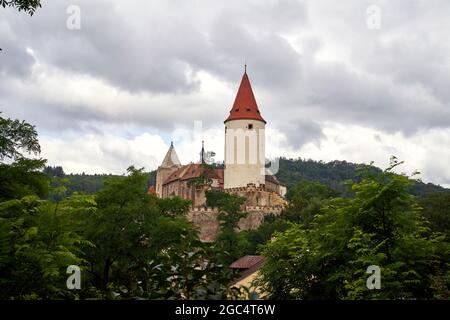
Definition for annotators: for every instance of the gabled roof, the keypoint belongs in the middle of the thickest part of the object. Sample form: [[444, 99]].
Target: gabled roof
[[247, 262], [191, 171], [245, 106], [171, 158]]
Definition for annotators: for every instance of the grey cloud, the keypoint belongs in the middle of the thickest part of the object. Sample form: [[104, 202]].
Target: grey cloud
[[301, 131], [396, 79]]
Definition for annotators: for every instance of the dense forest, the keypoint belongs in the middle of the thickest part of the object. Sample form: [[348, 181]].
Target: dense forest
[[334, 174], [128, 244]]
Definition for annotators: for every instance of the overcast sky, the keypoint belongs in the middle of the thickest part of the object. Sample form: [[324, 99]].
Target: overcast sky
[[330, 82]]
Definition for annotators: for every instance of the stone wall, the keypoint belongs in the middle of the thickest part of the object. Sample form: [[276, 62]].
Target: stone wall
[[206, 219]]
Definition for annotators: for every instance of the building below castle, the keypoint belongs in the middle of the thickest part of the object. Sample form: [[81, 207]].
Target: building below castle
[[244, 173]]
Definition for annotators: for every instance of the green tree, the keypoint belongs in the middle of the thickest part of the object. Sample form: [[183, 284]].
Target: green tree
[[305, 200], [28, 6], [172, 207], [228, 239], [15, 137], [37, 244], [436, 209], [382, 226], [23, 176], [144, 247]]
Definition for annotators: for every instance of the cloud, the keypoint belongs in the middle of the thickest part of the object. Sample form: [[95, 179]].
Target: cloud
[[146, 67]]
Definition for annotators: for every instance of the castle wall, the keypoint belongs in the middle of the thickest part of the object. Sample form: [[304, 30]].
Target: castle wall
[[161, 175], [206, 219], [258, 196]]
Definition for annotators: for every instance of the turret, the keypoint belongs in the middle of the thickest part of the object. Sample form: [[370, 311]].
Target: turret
[[170, 164], [244, 140]]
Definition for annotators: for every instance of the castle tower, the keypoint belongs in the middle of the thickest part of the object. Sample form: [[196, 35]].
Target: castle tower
[[169, 165], [244, 140]]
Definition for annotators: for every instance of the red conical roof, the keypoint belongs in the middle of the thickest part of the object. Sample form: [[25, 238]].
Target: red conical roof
[[245, 106]]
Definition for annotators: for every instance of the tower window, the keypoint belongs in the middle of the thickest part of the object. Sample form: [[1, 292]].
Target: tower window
[[250, 126]]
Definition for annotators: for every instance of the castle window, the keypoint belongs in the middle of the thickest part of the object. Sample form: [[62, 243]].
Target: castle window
[[250, 126]]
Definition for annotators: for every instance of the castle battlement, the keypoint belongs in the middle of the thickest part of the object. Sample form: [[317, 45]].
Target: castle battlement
[[204, 210], [264, 209], [244, 189]]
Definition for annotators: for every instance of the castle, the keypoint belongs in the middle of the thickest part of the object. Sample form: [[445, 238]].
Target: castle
[[244, 171]]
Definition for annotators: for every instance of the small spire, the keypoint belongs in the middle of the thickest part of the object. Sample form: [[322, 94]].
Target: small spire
[[245, 67], [202, 154], [171, 143]]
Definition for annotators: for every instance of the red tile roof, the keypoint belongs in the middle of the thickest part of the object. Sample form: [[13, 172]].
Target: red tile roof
[[245, 106], [247, 262], [151, 190], [191, 171]]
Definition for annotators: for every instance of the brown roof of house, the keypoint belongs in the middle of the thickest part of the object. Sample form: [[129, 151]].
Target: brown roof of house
[[191, 171], [247, 262], [272, 178]]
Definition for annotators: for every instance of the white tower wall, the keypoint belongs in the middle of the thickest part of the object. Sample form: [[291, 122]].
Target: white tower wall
[[244, 153]]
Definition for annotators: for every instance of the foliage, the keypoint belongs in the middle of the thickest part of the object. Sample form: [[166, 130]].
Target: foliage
[[306, 199], [334, 174], [88, 183], [228, 239], [15, 137], [23, 177], [436, 209], [382, 225], [173, 207], [28, 6], [146, 248], [36, 246], [131, 245]]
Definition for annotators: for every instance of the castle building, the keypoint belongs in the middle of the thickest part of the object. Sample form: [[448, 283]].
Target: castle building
[[244, 171]]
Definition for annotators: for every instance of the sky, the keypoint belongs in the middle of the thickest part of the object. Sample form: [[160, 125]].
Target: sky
[[110, 83]]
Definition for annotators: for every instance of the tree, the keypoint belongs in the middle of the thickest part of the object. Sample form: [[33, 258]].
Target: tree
[[15, 137], [334, 174], [228, 239], [144, 247], [28, 6], [172, 207], [436, 209], [37, 244], [305, 200], [23, 177], [381, 226]]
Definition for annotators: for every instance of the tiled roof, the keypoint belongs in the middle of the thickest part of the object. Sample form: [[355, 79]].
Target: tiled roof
[[191, 171], [247, 262], [245, 106]]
